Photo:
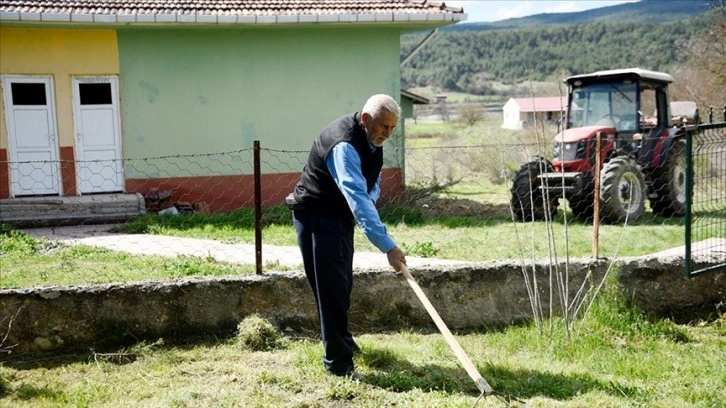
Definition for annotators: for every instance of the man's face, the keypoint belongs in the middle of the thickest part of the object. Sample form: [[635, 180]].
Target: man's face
[[380, 129]]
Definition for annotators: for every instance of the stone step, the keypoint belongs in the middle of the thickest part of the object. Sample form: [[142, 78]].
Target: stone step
[[52, 211]]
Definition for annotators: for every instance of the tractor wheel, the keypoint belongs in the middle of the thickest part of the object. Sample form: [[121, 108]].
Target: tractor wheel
[[529, 202], [670, 183], [622, 190]]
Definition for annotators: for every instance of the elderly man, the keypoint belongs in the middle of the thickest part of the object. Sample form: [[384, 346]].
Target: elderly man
[[338, 187]]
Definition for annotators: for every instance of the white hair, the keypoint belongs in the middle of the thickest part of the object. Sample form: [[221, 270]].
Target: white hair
[[381, 102]]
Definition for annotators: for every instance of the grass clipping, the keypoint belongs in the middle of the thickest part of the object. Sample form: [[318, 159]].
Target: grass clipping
[[257, 334]]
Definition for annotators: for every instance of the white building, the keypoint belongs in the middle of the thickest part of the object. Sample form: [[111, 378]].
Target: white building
[[518, 112]]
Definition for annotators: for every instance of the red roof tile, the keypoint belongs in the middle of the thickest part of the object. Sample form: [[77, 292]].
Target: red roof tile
[[541, 104], [248, 10]]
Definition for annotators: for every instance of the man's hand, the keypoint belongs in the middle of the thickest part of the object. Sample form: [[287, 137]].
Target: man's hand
[[396, 258]]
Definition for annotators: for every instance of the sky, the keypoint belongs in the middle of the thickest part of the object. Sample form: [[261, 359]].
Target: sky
[[487, 11]]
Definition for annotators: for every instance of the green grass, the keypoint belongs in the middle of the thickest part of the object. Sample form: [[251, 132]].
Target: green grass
[[428, 130], [617, 359], [80, 265], [475, 243], [539, 88], [444, 230], [487, 131], [614, 357], [27, 261]]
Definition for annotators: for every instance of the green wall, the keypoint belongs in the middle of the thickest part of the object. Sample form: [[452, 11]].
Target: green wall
[[187, 91]]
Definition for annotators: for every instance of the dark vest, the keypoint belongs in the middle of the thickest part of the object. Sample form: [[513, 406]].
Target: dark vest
[[316, 189]]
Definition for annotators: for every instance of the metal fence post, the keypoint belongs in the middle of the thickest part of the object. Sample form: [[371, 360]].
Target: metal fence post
[[689, 201], [596, 204], [258, 209]]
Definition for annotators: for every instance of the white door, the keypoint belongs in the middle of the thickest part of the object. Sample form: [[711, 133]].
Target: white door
[[33, 145], [98, 140]]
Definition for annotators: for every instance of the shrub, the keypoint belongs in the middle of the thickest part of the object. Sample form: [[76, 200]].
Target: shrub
[[12, 240]]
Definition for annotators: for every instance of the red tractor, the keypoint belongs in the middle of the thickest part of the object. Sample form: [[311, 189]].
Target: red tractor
[[642, 151]]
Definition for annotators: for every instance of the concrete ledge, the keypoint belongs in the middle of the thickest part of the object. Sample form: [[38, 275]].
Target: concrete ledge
[[54, 211], [78, 318], [658, 286]]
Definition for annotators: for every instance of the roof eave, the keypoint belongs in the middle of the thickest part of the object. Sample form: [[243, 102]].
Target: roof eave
[[206, 19], [415, 98]]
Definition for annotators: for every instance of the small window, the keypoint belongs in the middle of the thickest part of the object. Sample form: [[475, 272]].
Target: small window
[[28, 93], [95, 94]]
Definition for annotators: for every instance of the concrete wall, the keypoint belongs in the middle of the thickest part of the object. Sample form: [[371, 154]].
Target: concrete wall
[[65, 319], [658, 286], [188, 91]]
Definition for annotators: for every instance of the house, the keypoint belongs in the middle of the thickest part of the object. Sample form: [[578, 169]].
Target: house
[[518, 112], [92, 88]]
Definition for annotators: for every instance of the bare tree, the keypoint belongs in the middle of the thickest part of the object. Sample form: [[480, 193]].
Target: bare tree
[[704, 79], [469, 114]]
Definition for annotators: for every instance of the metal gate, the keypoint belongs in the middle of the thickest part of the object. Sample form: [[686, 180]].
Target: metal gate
[[706, 198]]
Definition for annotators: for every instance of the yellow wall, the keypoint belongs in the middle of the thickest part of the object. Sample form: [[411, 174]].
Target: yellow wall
[[60, 53]]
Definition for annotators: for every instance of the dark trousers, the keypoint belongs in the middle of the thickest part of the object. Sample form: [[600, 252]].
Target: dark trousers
[[326, 244]]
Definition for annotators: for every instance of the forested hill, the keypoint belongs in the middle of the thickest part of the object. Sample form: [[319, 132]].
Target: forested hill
[[644, 11], [470, 60]]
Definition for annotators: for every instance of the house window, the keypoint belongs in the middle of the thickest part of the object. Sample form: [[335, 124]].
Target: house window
[[95, 94], [26, 93]]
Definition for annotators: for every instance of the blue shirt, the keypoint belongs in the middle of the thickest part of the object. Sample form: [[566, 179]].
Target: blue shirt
[[345, 167]]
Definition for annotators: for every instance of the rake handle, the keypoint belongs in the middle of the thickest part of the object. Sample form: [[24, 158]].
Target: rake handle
[[480, 382]]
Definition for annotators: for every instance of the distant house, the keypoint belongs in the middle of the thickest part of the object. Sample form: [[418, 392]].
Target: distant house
[[89, 86], [440, 98], [518, 112]]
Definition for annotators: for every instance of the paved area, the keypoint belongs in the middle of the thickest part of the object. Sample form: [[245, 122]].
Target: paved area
[[147, 244]]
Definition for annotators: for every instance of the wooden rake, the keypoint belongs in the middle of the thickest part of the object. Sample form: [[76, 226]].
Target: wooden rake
[[480, 382]]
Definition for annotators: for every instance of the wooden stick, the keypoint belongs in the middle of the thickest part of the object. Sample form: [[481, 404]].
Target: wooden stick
[[480, 382]]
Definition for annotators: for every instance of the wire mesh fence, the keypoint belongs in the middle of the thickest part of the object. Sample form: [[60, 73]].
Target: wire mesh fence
[[706, 212], [223, 212]]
